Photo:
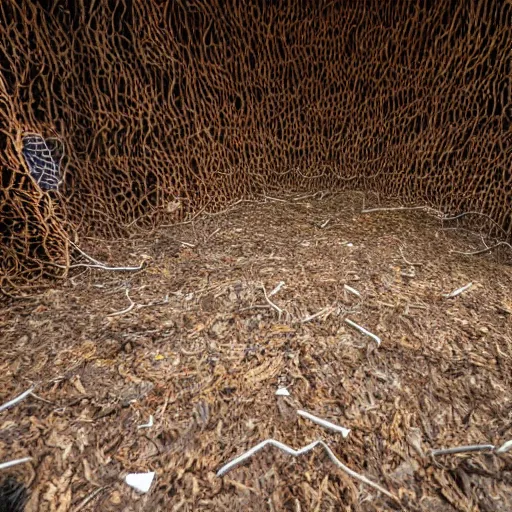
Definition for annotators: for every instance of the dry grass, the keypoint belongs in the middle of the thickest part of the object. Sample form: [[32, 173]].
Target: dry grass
[[206, 364]]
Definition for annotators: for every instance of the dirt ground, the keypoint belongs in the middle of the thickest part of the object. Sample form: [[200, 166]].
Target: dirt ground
[[205, 346]]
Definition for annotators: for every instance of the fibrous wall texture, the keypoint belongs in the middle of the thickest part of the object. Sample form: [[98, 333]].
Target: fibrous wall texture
[[165, 108]]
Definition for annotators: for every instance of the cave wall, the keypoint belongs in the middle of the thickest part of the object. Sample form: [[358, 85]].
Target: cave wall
[[165, 108]]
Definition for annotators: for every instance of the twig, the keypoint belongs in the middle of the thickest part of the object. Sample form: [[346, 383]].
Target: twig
[[276, 199], [277, 308], [138, 306], [464, 449], [364, 331], [212, 235], [307, 196], [353, 291], [103, 267], [328, 309], [487, 249], [14, 401], [290, 451], [90, 258], [15, 462], [458, 291], [127, 310], [276, 289], [403, 208], [324, 224], [476, 213], [37, 397], [324, 423], [407, 261], [88, 499], [504, 448], [98, 264]]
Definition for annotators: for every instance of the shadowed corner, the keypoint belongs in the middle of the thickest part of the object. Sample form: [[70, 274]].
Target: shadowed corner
[[13, 495]]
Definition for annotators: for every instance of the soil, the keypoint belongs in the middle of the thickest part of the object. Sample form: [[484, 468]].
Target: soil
[[205, 345]]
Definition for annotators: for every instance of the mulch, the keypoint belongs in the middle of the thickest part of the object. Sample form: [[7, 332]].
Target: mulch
[[205, 347]]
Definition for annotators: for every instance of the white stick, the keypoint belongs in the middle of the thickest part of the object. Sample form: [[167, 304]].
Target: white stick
[[364, 331], [324, 423], [351, 290], [458, 291], [276, 289], [149, 424], [463, 449], [127, 310], [10, 463], [14, 401], [290, 451], [322, 226]]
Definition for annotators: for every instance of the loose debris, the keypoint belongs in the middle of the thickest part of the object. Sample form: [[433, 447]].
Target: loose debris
[[324, 423], [204, 362], [290, 451], [282, 392], [141, 482], [458, 291], [364, 331]]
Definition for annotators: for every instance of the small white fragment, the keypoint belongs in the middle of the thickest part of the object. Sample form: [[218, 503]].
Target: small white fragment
[[276, 289], [140, 481], [364, 331], [149, 424], [352, 290], [350, 245], [458, 291], [505, 447], [324, 423], [282, 392]]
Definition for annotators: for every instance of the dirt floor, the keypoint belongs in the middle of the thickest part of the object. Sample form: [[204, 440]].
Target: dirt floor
[[205, 345]]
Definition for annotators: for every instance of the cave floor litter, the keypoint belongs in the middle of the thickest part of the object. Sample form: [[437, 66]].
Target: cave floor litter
[[174, 369]]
